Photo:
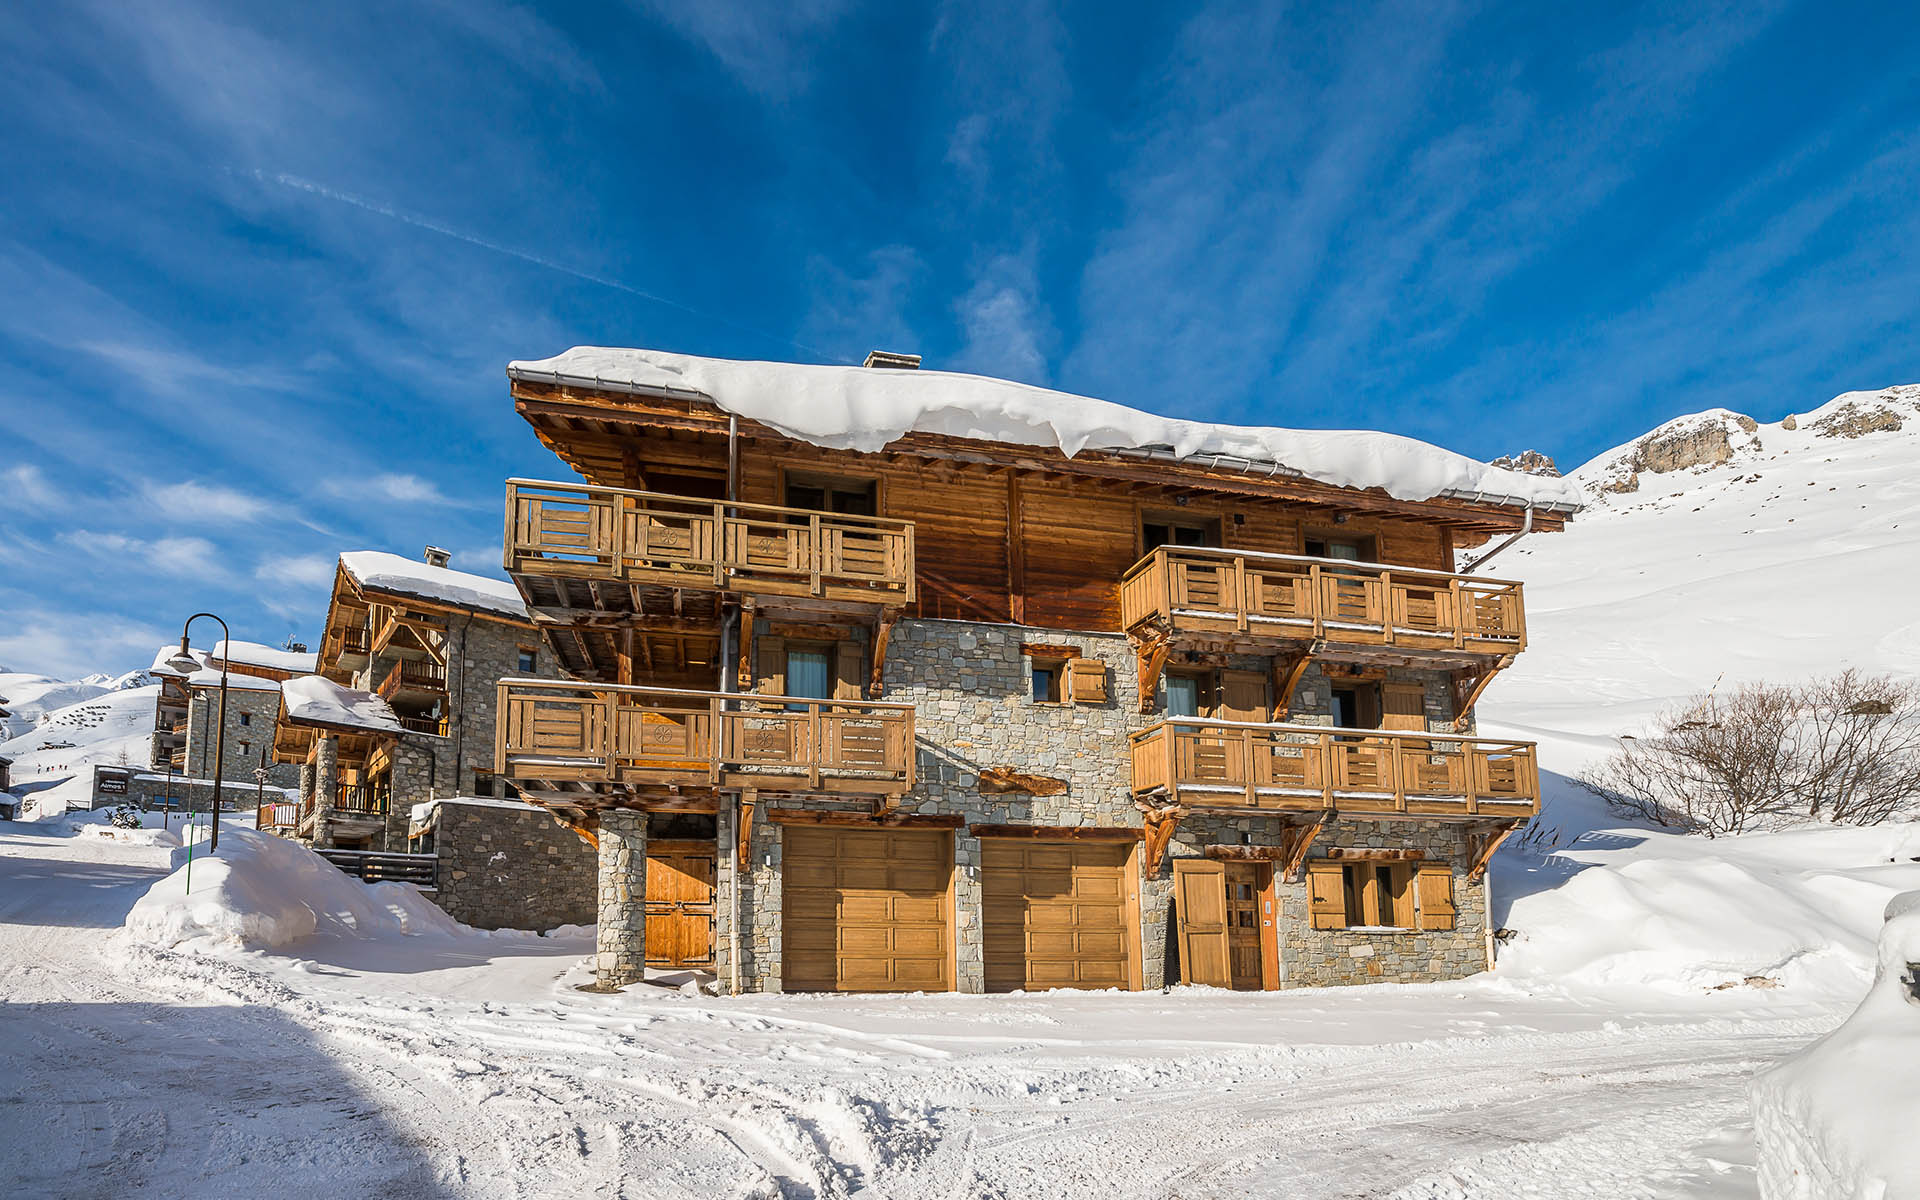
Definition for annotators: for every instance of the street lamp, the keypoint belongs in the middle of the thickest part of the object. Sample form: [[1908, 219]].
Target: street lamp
[[186, 664]]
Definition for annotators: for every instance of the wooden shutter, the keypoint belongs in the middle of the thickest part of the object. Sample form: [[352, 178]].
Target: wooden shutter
[[770, 665], [849, 671], [1399, 910], [1404, 707], [1433, 883], [1326, 895], [1200, 903], [1086, 681], [1243, 696]]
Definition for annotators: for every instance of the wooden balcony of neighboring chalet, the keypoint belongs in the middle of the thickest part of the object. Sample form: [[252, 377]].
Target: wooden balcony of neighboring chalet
[[1193, 764], [413, 682], [277, 817], [352, 804], [557, 738], [583, 553], [398, 633], [1252, 601], [352, 644]]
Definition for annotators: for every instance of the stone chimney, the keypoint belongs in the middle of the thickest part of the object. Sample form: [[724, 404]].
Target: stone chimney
[[887, 358], [436, 557]]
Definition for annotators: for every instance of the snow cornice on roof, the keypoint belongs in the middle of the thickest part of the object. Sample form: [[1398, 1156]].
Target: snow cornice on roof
[[865, 409]]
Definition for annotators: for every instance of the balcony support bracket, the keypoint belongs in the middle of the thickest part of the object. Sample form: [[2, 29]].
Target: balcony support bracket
[[1294, 841], [1287, 672], [743, 831], [882, 630], [1150, 647], [1481, 843], [1160, 828], [1467, 686]]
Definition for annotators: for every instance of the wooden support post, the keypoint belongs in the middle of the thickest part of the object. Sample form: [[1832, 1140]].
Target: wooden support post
[[1294, 844], [623, 672], [743, 832], [743, 676], [1287, 672], [1016, 553]]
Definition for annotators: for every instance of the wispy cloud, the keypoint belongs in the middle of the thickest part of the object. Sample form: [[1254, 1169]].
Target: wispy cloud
[[400, 489], [67, 645], [764, 44], [296, 570], [26, 486], [172, 556], [193, 500]]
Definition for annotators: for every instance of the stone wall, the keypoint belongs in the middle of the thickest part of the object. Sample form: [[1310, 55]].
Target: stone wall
[[973, 710], [251, 714], [508, 866]]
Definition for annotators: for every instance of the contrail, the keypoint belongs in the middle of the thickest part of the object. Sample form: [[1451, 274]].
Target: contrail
[[432, 226]]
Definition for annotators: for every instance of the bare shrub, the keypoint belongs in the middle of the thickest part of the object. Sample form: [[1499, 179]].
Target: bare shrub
[[1844, 749]]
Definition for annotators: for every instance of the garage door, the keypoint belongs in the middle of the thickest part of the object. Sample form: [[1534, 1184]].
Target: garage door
[[866, 910], [1056, 914]]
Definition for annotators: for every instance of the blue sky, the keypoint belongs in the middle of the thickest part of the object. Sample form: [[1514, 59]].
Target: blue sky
[[261, 265]]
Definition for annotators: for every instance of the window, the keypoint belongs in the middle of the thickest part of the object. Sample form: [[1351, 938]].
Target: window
[[854, 497], [529, 661], [1046, 680], [482, 783], [1158, 529], [809, 673], [1357, 706], [246, 719], [1349, 548], [246, 748], [1379, 895], [1183, 695]]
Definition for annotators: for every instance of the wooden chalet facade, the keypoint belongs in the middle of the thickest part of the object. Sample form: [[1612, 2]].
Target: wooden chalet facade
[[977, 715]]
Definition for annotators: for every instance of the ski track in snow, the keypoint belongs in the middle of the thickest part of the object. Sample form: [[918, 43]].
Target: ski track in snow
[[136, 1071]]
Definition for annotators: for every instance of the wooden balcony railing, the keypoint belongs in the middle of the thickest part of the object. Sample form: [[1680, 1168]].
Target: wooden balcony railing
[[1296, 768], [557, 529], [360, 798], [642, 735], [414, 677], [274, 817], [433, 725], [1278, 596], [355, 640]]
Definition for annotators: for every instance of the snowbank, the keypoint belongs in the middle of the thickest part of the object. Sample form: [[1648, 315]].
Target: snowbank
[[319, 699], [385, 572], [1838, 1119], [263, 892], [1682, 913], [863, 408]]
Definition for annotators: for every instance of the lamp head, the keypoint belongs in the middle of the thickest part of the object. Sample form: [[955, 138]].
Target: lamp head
[[184, 662]]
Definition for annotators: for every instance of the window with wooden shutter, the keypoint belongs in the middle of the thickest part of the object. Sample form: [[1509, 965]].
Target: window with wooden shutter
[[1086, 681], [1404, 706], [1243, 696], [770, 665], [1326, 895], [850, 671], [1433, 882]]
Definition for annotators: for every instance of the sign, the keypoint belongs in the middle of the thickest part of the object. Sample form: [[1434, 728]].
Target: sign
[[112, 785]]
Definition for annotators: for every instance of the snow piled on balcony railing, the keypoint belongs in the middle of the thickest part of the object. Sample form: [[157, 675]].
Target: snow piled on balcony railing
[[864, 408], [316, 699], [385, 572]]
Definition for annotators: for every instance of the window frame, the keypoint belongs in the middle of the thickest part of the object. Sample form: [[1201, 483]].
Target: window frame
[[1211, 529], [829, 483], [529, 656]]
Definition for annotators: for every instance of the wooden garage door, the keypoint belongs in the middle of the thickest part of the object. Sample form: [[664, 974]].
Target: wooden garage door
[[1056, 914], [866, 910]]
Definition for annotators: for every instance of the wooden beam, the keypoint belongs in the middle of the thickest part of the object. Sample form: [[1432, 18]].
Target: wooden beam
[[1360, 854], [623, 671], [1060, 833], [821, 816], [743, 675], [1001, 780], [1467, 687], [1295, 841], [1016, 553], [882, 631], [743, 833], [1287, 672], [1480, 847], [1049, 650], [1151, 651]]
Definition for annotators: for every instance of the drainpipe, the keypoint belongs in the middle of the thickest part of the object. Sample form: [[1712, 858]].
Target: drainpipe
[[729, 638], [1526, 528]]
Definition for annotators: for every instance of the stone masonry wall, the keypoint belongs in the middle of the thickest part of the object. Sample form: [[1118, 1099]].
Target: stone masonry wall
[[511, 867], [251, 714]]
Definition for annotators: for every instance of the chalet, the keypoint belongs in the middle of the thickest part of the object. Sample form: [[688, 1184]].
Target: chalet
[[186, 711], [891, 680], [399, 719]]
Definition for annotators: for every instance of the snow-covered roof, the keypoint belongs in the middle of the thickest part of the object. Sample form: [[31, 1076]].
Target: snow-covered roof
[[256, 655], [236, 681], [314, 699], [385, 572], [867, 408]]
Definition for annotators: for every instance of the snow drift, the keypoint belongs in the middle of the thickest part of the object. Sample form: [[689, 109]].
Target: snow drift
[[1837, 1120], [864, 408], [263, 892]]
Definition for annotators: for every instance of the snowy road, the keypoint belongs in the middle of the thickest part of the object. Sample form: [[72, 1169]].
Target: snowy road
[[470, 1066]]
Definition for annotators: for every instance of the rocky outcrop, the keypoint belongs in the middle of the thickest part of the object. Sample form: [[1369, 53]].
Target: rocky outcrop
[[1527, 462], [1857, 420], [1702, 440]]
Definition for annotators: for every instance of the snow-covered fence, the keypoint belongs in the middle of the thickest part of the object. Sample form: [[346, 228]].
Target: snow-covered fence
[[374, 867]]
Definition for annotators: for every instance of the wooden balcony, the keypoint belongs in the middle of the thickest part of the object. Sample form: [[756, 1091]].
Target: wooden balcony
[[434, 725], [572, 548], [398, 633], [1252, 601], [624, 738], [1197, 764], [277, 818], [411, 682]]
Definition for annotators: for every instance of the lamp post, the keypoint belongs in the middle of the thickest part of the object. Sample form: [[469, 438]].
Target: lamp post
[[185, 663]]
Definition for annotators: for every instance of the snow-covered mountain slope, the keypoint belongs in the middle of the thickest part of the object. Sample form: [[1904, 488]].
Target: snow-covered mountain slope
[[1714, 547], [29, 697], [65, 742]]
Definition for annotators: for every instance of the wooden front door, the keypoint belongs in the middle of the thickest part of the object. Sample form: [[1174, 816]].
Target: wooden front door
[[680, 904], [1199, 902], [1057, 914], [866, 910], [1246, 907]]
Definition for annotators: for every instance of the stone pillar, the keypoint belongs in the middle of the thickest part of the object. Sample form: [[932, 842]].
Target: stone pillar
[[326, 785], [621, 943]]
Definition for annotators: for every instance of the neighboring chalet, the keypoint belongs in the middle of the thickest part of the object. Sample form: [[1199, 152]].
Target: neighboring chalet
[[887, 680], [401, 715], [186, 711]]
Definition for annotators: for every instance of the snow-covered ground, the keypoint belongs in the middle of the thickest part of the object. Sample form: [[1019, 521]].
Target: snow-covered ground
[[1648, 978]]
